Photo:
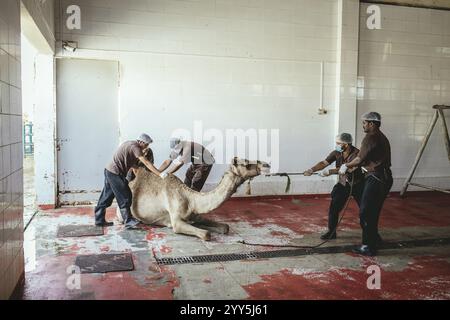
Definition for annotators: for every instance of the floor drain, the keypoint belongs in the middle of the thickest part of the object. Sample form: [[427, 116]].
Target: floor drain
[[283, 253]]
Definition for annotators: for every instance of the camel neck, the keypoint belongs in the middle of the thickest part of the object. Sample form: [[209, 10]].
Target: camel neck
[[205, 202]]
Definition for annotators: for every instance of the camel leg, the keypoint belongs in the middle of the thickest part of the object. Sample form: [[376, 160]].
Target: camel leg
[[210, 224], [180, 226], [164, 221]]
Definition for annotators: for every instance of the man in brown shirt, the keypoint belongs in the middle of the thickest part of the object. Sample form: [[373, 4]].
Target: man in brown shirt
[[116, 185], [148, 154], [374, 159], [184, 152], [344, 152]]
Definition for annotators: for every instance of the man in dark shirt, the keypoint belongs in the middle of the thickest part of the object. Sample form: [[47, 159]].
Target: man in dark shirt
[[374, 159], [116, 185], [184, 152], [148, 154], [352, 181]]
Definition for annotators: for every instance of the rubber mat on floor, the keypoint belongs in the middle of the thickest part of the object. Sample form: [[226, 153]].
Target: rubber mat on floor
[[73, 230], [107, 262]]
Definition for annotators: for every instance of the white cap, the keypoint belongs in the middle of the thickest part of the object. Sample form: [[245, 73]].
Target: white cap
[[344, 138], [174, 142], [145, 138], [371, 116]]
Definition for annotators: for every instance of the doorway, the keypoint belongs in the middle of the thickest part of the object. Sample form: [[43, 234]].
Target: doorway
[[87, 126], [29, 54]]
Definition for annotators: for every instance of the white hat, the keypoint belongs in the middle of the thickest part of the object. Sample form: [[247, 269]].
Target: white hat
[[145, 138], [344, 138], [371, 116], [174, 142]]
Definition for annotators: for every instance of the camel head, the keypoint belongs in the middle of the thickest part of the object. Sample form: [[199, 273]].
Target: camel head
[[248, 169]]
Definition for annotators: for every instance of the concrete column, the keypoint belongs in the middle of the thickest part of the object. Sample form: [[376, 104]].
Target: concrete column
[[45, 128], [347, 66]]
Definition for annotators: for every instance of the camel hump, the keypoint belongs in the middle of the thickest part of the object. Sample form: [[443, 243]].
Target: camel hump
[[149, 182]]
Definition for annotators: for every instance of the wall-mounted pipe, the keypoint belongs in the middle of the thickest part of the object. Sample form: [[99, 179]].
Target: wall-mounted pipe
[[322, 110]]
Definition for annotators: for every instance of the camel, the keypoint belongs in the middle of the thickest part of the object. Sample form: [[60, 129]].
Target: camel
[[169, 202]]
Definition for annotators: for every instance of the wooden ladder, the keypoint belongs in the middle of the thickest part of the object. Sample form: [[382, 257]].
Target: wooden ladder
[[438, 113]]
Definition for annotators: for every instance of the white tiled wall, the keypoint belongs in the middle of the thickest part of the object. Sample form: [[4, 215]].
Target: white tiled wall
[[38, 30], [11, 174], [347, 66], [404, 69], [232, 64], [255, 64]]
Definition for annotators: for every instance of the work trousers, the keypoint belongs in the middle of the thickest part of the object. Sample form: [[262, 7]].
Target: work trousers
[[196, 176], [116, 186], [375, 190], [339, 196]]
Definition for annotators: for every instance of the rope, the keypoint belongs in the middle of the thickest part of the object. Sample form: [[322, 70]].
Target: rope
[[249, 188], [308, 247], [288, 182], [287, 175], [280, 174]]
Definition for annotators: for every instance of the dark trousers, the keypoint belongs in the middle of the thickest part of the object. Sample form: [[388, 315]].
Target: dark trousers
[[117, 187], [196, 176], [130, 176], [339, 196], [375, 191]]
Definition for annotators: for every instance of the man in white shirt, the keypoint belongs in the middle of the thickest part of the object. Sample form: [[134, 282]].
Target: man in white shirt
[[184, 152]]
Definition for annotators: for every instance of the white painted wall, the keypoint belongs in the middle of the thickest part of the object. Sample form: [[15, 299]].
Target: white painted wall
[[29, 54], [232, 64], [404, 69], [45, 132], [42, 13], [256, 64], [347, 66]]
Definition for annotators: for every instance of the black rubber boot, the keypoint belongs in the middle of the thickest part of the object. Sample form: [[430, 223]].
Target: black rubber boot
[[105, 224], [365, 251], [100, 219], [329, 235], [379, 240], [129, 221]]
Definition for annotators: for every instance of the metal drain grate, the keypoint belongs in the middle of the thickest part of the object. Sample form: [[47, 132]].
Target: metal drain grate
[[295, 252]]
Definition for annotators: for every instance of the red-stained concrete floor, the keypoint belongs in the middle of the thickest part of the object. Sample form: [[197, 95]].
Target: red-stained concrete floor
[[412, 273]]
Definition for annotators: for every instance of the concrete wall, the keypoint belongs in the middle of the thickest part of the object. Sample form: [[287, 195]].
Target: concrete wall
[[231, 64], [11, 173], [42, 12], [347, 66], [404, 69], [45, 132]]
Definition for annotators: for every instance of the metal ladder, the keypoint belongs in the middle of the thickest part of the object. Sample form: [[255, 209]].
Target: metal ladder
[[439, 113]]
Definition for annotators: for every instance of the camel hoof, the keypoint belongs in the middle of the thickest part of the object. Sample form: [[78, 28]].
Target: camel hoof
[[207, 236], [226, 229]]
